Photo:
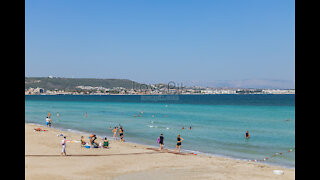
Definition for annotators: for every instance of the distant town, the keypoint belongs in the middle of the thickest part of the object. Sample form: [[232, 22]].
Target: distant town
[[75, 86], [88, 90]]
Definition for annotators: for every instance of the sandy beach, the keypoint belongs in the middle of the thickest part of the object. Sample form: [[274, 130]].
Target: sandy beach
[[125, 160]]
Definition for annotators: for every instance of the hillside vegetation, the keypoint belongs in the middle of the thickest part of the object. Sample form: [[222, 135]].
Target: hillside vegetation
[[71, 83]]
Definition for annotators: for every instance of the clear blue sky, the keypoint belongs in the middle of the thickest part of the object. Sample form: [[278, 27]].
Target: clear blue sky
[[161, 40]]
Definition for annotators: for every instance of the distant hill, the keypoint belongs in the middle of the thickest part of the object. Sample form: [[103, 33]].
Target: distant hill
[[52, 83]]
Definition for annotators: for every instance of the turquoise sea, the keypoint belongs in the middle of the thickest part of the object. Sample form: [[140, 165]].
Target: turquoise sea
[[218, 122]]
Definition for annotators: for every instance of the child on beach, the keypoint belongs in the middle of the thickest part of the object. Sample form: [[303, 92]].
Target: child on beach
[[179, 140], [47, 121], [63, 143], [50, 122]]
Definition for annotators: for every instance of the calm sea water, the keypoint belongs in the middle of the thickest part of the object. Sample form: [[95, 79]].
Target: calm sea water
[[219, 122]]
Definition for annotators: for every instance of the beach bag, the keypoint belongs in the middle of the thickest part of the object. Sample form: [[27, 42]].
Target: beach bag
[[158, 140]]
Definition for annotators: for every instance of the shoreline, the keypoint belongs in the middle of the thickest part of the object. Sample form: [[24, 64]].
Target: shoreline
[[129, 160], [152, 146]]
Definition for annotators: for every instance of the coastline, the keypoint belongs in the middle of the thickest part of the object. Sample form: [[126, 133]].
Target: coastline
[[134, 161], [86, 134]]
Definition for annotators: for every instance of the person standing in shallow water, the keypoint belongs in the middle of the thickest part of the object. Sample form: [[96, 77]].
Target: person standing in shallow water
[[161, 138], [47, 121], [115, 133], [179, 140], [121, 134]]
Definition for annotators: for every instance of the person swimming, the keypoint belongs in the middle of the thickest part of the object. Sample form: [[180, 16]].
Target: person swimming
[[247, 135]]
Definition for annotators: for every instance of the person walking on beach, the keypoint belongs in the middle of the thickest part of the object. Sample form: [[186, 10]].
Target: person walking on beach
[[115, 133], [179, 140], [161, 138], [63, 143], [86, 115]]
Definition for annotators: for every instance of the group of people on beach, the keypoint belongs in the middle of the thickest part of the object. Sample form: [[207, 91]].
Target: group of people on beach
[[179, 142], [94, 143], [48, 121], [120, 132]]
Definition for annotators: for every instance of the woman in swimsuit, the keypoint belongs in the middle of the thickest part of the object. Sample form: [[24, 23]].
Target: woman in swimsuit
[[115, 133], [82, 141], [161, 141], [121, 134], [179, 140]]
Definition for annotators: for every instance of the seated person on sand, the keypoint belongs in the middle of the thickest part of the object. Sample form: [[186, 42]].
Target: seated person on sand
[[91, 136], [105, 143], [93, 143], [37, 129], [82, 141]]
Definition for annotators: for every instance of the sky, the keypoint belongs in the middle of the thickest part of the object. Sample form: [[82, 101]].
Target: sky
[[153, 41]]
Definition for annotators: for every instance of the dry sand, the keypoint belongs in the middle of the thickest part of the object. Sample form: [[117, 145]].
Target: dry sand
[[129, 161]]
